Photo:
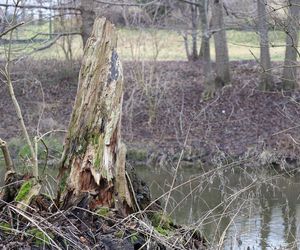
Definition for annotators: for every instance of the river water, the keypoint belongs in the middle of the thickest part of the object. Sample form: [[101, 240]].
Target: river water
[[235, 208]]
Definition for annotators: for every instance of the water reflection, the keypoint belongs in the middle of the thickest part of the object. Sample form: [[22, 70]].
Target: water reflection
[[236, 209]]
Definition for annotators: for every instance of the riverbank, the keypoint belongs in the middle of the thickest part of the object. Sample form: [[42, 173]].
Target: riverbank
[[43, 226], [163, 113]]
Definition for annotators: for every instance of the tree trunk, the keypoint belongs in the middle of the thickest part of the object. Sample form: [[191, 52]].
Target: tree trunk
[[194, 15], [40, 20], [205, 46], [93, 160], [205, 51], [265, 61], [88, 16], [291, 51], [186, 46], [222, 58]]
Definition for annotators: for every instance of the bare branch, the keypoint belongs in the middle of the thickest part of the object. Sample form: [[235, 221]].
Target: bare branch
[[39, 7], [46, 46], [33, 38], [189, 2], [11, 28], [127, 4]]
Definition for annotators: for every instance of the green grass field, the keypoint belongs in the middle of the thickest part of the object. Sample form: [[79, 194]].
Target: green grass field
[[151, 44]]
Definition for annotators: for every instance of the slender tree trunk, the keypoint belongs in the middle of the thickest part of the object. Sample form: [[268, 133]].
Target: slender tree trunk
[[291, 51], [50, 21], [194, 14], [23, 15], [88, 16], [40, 20], [265, 60], [93, 160], [186, 46], [222, 58], [2, 24]]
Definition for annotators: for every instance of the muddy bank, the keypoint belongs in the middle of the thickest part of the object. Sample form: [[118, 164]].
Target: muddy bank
[[163, 112]]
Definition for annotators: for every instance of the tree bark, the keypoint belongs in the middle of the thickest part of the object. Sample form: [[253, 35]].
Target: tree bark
[[205, 51], [265, 60], [289, 75], [194, 15], [93, 161], [88, 16], [222, 58], [205, 46]]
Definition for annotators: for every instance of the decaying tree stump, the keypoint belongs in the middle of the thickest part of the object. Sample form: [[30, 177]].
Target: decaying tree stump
[[93, 160]]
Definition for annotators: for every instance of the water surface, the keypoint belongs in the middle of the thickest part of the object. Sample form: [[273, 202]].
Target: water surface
[[234, 208]]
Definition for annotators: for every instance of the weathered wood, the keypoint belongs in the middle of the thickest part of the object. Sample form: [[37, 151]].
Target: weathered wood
[[7, 158], [94, 157]]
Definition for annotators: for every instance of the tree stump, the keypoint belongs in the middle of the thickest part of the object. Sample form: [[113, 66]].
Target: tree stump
[[93, 160]]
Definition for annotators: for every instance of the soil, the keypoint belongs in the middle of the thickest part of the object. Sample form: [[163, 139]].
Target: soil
[[164, 111]]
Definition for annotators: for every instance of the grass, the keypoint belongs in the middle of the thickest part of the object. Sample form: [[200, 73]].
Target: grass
[[153, 44], [168, 45]]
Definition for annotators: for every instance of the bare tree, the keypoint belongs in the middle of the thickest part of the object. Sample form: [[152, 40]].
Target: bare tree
[[88, 16], [205, 37], [222, 58], [195, 27], [289, 75], [265, 60], [189, 15], [59, 8], [199, 15]]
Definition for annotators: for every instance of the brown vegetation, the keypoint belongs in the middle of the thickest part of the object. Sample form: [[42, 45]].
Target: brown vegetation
[[240, 120]]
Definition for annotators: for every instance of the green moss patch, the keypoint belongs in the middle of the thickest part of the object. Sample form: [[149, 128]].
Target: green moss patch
[[134, 238], [103, 211], [5, 227], [63, 182], [162, 223], [40, 238], [119, 234], [162, 231], [24, 190]]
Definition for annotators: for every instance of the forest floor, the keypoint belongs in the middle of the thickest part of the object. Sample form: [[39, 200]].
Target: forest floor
[[164, 112], [44, 227]]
